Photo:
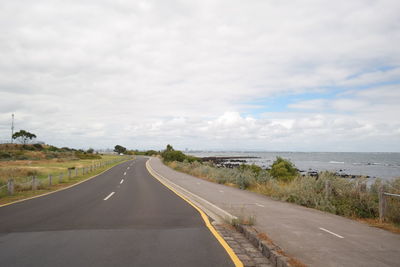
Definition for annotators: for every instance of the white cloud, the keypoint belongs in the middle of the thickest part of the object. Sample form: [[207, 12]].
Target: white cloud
[[315, 104], [145, 73]]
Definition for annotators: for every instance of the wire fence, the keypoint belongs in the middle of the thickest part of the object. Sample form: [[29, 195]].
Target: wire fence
[[389, 204], [34, 183], [393, 195]]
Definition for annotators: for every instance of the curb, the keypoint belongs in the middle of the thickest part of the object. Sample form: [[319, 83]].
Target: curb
[[204, 204], [235, 259], [270, 251]]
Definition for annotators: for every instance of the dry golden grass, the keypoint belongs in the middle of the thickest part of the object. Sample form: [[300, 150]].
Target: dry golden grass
[[22, 193], [20, 169], [383, 225]]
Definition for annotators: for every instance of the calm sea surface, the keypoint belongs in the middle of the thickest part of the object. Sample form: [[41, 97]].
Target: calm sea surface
[[382, 165]]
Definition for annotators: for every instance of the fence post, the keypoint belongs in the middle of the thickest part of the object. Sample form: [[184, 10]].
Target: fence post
[[50, 179], [60, 178], [10, 187], [327, 188], [69, 173], [382, 204], [76, 172], [34, 185]]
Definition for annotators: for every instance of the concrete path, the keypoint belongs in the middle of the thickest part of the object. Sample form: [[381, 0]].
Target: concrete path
[[123, 217], [315, 238]]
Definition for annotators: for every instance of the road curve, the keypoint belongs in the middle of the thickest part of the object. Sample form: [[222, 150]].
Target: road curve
[[314, 237], [123, 217]]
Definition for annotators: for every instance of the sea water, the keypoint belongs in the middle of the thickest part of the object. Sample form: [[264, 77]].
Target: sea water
[[376, 165]]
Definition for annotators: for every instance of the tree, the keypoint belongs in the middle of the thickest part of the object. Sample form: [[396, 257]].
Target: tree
[[173, 155], [90, 151], [283, 170], [23, 136], [119, 149], [170, 154]]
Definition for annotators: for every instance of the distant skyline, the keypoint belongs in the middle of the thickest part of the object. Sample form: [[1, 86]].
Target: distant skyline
[[203, 75]]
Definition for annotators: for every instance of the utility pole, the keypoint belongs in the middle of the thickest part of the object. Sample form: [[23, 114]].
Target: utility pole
[[12, 127]]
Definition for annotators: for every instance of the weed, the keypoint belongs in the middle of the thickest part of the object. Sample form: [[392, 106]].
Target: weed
[[345, 197]]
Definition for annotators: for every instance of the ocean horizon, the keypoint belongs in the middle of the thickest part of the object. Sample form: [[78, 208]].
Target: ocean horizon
[[384, 165]]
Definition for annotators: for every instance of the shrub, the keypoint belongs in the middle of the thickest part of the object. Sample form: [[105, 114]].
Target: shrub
[[169, 154], [28, 147], [151, 153], [85, 155], [242, 181], [345, 197], [173, 156], [253, 168], [283, 170], [53, 149], [5, 155], [38, 147]]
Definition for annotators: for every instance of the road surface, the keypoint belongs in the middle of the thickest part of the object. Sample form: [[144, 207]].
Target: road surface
[[123, 217], [316, 238]]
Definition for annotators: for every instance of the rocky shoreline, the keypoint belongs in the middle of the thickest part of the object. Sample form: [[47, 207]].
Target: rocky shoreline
[[235, 162]]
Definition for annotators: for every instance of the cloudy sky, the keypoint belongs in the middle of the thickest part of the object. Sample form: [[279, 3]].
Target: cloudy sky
[[220, 75]]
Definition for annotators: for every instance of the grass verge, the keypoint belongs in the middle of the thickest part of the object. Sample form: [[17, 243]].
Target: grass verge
[[350, 198], [44, 189]]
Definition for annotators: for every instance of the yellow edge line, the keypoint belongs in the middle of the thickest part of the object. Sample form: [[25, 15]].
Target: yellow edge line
[[58, 190], [225, 245]]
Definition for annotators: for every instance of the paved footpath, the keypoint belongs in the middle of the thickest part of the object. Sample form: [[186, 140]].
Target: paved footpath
[[316, 238]]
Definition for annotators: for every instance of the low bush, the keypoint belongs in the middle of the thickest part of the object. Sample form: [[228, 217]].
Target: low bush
[[169, 154], [54, 149], [5, 155], [84, 155], [28, 147], [346, 197], [38, 147], [145, 153], [173, 156], [283, 170]]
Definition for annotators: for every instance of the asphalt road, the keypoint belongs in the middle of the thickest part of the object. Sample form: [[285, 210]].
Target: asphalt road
[[123, 217], [314, 237]]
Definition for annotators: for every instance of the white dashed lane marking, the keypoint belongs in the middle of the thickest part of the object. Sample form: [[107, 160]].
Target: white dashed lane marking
[[332, 233], [110, 195]]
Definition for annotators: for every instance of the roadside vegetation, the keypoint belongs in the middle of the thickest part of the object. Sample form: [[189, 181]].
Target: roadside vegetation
[[170, 154], [146, 153], [21, 162], [327, 192]]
